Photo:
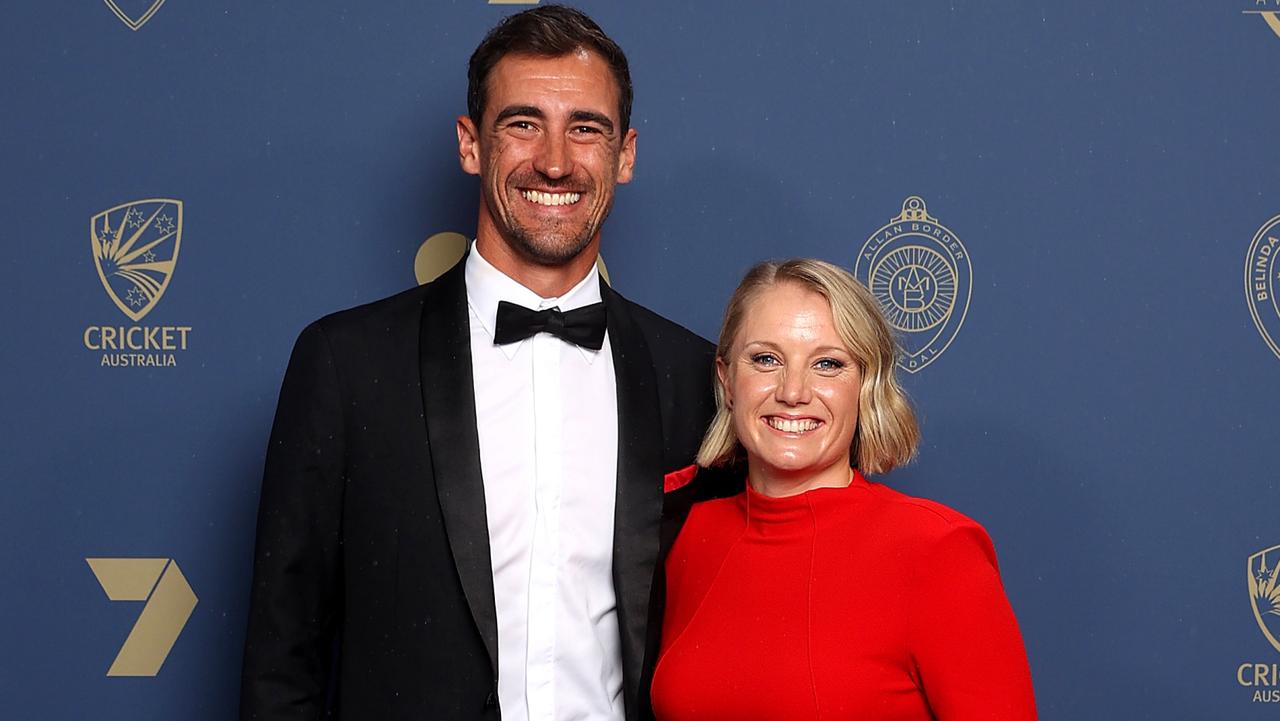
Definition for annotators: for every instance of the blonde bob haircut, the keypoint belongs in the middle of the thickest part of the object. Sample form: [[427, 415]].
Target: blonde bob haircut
[[886, 434]]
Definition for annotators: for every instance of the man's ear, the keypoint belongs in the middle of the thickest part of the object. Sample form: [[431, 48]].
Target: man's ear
[[468, 145], [627, 158]]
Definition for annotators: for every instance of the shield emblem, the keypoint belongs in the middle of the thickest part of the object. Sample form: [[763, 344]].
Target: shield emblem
[[920, 272], [134, 13], [135, 248], [1264, 592]]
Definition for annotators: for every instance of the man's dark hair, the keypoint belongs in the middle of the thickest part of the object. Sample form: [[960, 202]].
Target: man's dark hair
[[548, 31]]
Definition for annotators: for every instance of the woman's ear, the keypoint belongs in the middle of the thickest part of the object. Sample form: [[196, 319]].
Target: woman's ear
[[722, 374]]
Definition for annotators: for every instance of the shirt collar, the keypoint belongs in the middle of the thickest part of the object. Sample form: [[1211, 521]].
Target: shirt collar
[[486, 285]]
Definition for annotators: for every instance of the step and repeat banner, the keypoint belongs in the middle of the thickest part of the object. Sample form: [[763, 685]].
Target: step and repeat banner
[[1070, 211]]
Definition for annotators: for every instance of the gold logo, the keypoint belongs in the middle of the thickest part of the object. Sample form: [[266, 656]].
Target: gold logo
[[1261, 271], [1264, 592], [438, 254], [1262, 678], [135, 248], [442, 251], [142, 11], [169, 603], [1270, 12], [919, 271]]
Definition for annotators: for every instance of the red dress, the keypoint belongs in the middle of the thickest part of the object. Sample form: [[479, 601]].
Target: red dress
[[838, 603]]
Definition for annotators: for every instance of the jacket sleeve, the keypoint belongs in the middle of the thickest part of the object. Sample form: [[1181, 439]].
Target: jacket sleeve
[[964, 637], [296, 597]]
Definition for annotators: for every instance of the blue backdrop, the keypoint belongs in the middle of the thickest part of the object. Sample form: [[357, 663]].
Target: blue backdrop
[[1107, 408]]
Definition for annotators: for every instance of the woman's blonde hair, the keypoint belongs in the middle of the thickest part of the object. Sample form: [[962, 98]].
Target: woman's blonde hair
[[887, 434]]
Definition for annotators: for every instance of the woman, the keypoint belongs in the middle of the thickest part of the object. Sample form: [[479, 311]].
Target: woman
[[815, 594]]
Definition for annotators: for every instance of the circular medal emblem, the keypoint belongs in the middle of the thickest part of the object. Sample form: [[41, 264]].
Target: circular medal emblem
[[916, 287]]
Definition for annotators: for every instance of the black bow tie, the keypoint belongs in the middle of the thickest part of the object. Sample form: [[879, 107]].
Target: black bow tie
[[582, 326]]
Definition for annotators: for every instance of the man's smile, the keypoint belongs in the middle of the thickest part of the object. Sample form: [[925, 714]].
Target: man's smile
[[551, 199]]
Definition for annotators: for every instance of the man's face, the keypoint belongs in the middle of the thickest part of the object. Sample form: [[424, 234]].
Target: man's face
[[549, 152]]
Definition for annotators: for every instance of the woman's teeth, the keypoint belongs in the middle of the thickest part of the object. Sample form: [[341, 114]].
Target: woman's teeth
[[791, 426]]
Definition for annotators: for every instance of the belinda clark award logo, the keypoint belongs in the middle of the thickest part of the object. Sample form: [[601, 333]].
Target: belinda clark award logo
[[135, 251]]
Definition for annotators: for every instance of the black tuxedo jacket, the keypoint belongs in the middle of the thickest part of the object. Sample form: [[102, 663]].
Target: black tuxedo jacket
[[372, 590]]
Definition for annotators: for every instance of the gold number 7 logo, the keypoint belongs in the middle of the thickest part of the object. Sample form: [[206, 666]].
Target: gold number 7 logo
[[170, 601]]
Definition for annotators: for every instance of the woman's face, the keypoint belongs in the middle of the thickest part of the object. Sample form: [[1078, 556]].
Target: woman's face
[[792, 387]]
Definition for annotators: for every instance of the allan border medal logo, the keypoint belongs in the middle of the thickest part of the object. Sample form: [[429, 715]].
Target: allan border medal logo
[[920, 272], [136, 13], [1262, 574], [135, 250], [1261, 271]]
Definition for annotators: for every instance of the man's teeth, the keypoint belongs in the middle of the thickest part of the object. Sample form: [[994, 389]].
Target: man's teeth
[[541, 198], [790, 426]]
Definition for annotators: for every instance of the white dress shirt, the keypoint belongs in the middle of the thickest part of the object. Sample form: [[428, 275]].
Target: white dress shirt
[[547, 421]]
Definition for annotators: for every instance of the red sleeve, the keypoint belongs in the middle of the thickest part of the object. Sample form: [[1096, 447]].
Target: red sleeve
[[964, 637]]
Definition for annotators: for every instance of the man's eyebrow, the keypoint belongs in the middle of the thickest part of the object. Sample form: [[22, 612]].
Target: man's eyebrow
[[590, 116], [513, 110]]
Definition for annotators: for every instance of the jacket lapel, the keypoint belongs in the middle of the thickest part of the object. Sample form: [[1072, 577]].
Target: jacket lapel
[[638, 512], [449, 400]]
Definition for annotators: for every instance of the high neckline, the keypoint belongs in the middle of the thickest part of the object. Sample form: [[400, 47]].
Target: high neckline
[[768, 513]]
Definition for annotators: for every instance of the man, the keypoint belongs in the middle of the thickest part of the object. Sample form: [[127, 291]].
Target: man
[[462, 510]]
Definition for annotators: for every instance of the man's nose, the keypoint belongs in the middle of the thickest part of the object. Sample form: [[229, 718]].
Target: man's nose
[[553, 158]]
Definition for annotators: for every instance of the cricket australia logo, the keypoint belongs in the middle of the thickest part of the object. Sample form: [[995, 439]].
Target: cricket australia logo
[[1261, 273], [1264, 592], [920, 272], [135, 248], [134, 13]]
